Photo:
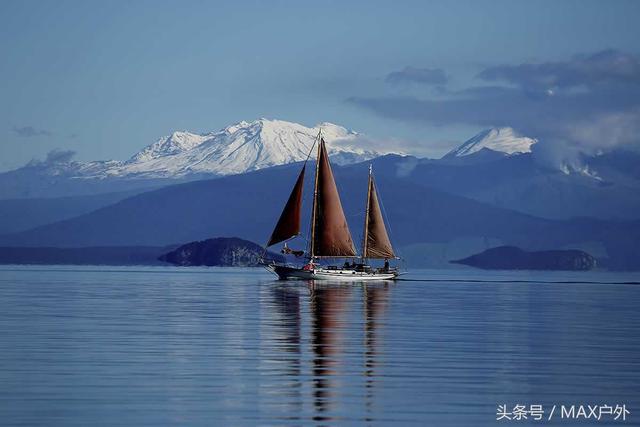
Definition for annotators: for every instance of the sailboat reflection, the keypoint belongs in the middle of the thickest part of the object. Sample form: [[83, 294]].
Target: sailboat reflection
[[375, 302], [327, 306], [286, 302], [288, 306], [340, 324]]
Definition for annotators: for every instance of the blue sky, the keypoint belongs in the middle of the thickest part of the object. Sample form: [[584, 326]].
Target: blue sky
[[107, 78]]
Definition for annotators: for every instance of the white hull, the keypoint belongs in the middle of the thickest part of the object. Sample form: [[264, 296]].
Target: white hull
[[319, 273]]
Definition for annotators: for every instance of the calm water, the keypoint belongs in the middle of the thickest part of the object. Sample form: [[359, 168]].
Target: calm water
[[167, 346]]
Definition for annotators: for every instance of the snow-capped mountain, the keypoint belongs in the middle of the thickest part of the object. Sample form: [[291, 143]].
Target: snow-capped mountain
[[183, 156], [504, 140], [239, 148]]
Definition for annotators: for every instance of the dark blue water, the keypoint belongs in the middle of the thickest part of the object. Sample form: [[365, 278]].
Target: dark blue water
[[170, 346]]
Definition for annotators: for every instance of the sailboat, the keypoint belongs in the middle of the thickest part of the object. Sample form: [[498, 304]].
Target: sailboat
[[330, 237]]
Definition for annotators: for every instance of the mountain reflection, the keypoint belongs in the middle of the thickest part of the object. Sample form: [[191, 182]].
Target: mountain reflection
[[312, 325]]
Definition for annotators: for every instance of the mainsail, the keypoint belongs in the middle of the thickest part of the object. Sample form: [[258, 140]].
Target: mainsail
[[330, 236], [288, 225], [376, 243]]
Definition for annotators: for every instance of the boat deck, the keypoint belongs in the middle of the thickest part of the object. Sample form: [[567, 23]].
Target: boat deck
[[332, 273]]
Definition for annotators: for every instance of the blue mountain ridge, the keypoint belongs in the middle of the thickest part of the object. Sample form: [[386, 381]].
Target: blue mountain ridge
[[422, 219]]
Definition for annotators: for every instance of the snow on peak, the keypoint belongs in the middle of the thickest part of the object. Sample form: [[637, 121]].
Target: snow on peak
[[504, 140], [175, 143], [238, 148], [234, 127]]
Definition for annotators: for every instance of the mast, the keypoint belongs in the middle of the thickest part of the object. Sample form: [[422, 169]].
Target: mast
[[315, 199], [365, 234]]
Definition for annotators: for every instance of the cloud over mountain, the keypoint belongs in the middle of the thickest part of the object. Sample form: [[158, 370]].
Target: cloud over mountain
[[59, 156], [586, 103]]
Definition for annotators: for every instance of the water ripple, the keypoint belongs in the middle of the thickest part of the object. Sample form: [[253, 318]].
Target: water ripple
[[166, 346]]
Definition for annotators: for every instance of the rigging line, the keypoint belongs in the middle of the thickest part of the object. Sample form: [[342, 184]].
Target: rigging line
[[313, 145]]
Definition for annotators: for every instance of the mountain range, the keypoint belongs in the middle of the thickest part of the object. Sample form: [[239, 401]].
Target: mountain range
[[430, 226], [184, 156], [521, 182], [497, 166], [484, 193]]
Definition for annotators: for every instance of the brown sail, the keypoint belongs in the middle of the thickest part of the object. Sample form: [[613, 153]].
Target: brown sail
[[376, 240], [330, 236], [288, 225]]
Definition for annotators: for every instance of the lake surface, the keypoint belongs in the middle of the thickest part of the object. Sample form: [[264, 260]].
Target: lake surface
[[149, 346]]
